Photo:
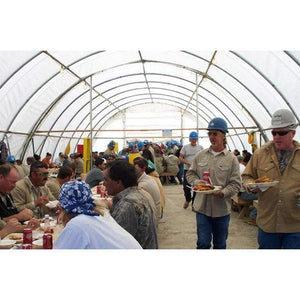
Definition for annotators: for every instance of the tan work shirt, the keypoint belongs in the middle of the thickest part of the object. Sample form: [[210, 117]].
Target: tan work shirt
[[277, 209], [224, 171]]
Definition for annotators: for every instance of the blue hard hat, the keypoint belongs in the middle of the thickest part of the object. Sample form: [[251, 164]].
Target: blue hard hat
[[140, 145], [193, 135], [11, 158], [130, 145], [146, 142], [111, 143], [217, 124]]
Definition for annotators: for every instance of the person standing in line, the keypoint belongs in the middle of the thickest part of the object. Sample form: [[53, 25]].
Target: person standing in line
[[213, 210], [111, 149], [278, 211], [180, 172], [172, 162], [187, 153]]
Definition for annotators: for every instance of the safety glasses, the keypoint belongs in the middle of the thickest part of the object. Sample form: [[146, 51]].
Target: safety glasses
[[280, 133]]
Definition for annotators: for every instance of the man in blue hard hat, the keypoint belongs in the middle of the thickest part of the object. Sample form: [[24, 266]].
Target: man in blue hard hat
[[186, 156], [213, 210], [111, 149]]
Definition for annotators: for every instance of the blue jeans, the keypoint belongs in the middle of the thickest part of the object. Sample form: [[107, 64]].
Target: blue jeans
[[180, 173], [187, 191], [278, 240], [208, 228]]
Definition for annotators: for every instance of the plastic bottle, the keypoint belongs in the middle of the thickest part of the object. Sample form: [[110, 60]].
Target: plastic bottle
[[47, 222]]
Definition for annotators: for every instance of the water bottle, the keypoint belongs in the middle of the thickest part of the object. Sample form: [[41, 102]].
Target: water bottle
[[47, 222]]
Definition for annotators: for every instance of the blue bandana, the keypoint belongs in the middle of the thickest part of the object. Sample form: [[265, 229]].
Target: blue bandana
[[76, 198]]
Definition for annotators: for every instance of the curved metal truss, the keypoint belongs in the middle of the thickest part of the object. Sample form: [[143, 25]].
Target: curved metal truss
[[52, 98]]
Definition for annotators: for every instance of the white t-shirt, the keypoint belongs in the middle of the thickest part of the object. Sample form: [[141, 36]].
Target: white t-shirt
[[188, 151], [95, 232]]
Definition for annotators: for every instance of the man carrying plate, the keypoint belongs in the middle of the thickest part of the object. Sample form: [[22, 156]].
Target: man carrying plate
[[213, 210], [278, 216]]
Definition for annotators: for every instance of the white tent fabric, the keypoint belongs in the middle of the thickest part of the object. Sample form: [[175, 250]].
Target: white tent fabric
[[51, 98]]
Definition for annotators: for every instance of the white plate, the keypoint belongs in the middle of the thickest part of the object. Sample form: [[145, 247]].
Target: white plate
[[263, 186], [17, 237], [52, 204], [6, 243], [217, 188], [37, 235], [38, 243]]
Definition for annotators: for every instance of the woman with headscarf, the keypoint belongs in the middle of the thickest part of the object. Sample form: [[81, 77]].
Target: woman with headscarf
[[88, 224]]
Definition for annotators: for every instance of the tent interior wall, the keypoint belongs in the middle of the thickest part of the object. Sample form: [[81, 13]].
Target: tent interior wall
[[52, 98]]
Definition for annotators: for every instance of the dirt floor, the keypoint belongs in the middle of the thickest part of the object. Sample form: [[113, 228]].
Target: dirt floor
[[177, 229]]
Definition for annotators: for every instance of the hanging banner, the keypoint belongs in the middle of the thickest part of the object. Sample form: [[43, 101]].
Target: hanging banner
[[167, 132], [68, 148]]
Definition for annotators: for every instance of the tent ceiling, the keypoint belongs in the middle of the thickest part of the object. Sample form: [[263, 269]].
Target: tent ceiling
[[46, 96]]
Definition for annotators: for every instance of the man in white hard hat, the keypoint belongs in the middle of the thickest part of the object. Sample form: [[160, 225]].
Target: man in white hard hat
[[278, 214]]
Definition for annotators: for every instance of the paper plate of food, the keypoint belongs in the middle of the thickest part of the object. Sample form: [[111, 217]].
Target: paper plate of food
[[204, 188], [6, 244], [16, 237], [43, 220], [38, 243], [52, 204], [52, 224], [263, 183]]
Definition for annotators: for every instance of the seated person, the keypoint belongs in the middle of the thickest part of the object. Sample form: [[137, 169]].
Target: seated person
[[32, 193], [64, 175], [8, 211], [148, 156], [87, 226], [131, 207], [96, 174], [148, 183], [12, 226], [47, 160]]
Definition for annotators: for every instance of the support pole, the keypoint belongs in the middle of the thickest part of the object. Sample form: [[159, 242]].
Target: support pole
[[91, 121], [124, 128], [197, 104]]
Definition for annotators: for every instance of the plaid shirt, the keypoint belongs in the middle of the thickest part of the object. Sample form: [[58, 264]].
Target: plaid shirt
[[132, 210]]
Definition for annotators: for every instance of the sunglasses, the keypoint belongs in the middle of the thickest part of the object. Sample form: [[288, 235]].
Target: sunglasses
[[43, 174], [280, 133]]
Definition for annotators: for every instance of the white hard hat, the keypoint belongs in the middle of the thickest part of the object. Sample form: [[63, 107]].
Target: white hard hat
[[283, 118]]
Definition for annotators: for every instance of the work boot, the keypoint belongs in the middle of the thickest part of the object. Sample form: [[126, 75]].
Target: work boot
[[186, 205]]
